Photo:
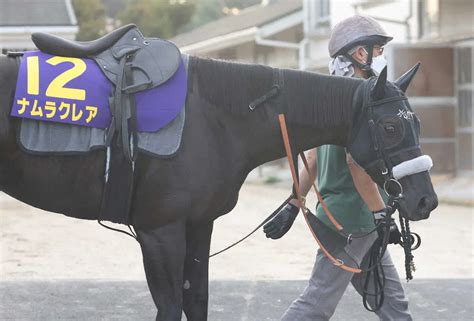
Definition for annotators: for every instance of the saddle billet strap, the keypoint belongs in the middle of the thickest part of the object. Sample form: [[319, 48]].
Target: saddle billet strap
[[109, 133], [120, 111], [126, 115], [122, 108], [133, 126]]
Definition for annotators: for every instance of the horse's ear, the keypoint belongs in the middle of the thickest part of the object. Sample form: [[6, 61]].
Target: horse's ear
[[404, 81], [378, 92]]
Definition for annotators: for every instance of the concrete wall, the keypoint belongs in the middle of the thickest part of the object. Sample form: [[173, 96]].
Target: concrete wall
[[456, 19]]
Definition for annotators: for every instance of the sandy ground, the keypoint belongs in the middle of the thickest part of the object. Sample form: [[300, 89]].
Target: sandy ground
[[37, 245]]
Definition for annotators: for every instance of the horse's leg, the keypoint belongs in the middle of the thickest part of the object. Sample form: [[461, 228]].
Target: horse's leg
[[196, 267], [163, 252]]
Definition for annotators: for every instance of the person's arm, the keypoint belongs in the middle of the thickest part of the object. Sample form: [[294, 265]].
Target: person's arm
[[365, 186], [283, 221], [305, 181]]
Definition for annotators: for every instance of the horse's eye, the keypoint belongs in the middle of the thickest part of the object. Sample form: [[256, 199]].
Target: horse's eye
[[390, 129]]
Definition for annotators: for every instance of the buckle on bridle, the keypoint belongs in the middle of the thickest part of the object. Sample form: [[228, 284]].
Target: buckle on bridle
[[393, 192]]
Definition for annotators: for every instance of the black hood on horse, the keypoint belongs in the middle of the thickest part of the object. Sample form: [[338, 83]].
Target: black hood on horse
[[385, 133]]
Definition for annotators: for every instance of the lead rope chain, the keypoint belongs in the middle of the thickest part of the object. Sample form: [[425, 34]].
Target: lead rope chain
[[407, 248]]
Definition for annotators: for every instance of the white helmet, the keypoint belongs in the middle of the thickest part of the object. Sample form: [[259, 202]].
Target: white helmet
[[353, 31]]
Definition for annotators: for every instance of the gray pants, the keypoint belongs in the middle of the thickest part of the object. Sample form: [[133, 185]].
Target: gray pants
[[328, 283]]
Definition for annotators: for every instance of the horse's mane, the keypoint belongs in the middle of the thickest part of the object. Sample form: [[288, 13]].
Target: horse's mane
[[318, 99], [308, 97], [230, 85]]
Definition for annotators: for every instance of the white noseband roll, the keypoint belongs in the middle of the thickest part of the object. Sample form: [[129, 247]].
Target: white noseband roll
[[412, 166]]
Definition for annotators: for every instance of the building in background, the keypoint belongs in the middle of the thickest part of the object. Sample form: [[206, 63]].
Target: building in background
[[20, 18], [438, 33], [268, 34], [295, 33]]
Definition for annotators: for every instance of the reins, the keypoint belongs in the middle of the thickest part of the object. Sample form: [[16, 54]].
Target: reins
[[255, 229], [286, 141], [377, 250], [337, 262]]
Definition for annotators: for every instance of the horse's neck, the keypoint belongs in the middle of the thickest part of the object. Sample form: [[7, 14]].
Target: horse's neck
[[318, 108], [318, 111]]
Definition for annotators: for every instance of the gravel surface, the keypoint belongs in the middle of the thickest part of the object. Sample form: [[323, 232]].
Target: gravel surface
[[39, 245], [56, 268]]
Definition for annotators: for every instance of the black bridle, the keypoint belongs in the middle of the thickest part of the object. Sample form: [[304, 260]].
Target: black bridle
[[382, 167]]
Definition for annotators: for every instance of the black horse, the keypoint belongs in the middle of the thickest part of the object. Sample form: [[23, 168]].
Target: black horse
[[176, 200]]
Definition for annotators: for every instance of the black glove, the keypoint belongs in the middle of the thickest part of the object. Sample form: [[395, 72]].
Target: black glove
[[381, 222], [282, 222], [395, 235]]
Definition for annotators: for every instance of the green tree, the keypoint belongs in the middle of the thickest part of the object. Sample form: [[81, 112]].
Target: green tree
[[210, 10], [90, 18], [206, 11], [158, 18]]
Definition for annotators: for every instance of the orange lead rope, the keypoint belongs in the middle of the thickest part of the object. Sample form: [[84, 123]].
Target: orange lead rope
[[320, 199], [286, 140]]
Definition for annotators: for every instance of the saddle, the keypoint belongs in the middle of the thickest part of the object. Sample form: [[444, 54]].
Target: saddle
[[130, 61], [133, 64]]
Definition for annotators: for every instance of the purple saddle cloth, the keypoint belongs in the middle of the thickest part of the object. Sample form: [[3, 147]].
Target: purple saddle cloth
[[75, 91]]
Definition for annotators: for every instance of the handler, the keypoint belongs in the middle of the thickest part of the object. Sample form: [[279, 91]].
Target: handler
[[356, 49]]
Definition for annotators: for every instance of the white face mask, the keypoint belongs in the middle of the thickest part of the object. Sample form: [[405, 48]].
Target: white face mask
[[378, 64]]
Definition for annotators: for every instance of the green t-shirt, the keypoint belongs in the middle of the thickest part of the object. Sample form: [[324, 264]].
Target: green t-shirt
[[339, 193]]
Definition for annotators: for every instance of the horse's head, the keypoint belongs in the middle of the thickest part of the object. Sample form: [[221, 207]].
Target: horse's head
[[384, 140]]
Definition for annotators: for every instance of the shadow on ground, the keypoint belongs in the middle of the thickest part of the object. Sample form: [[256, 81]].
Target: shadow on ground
[[449, 299]]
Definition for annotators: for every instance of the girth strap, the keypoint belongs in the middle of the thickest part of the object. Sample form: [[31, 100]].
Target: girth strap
[[123, 111]]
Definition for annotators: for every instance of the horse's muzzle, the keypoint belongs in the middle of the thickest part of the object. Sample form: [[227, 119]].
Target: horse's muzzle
[[427, 204]]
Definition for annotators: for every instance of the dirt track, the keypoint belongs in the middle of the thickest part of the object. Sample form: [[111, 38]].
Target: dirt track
[[39, 245]]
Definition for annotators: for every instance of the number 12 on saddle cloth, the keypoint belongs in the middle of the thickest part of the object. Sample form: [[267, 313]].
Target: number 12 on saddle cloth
[[62, 89], [75, 91]]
